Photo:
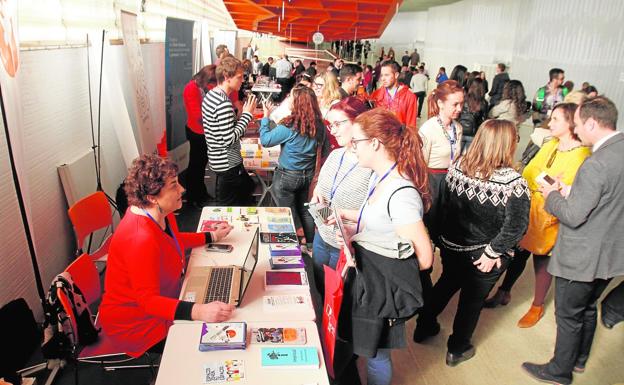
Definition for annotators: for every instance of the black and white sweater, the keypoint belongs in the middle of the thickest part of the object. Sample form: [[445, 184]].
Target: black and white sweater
[[485, 215], [222, 130]]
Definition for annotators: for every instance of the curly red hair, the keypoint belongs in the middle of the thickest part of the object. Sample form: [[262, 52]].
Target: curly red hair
[[306, 116]]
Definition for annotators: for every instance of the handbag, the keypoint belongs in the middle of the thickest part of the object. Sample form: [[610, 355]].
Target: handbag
[[542, 231]]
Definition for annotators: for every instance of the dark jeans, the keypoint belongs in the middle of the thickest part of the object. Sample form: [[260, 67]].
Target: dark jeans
[[285, 85], [613, 305], [575, 313], [234, 187], [196, 170], [459, 274], [432, 218], [515, 269], [291, 188], [421, 99]]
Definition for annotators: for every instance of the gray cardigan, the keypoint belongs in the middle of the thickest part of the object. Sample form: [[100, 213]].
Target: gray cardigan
[[590, 243]]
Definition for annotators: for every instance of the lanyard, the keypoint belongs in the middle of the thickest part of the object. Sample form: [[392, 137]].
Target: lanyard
[[175, 240], [391, 97], [370, 192], [335, 186], [452, 140]]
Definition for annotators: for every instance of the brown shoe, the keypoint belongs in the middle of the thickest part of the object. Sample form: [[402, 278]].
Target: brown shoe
[[501, 297], [534, 314]]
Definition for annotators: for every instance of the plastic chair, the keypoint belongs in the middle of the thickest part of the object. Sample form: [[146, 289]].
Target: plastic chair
[[88, 215], [85, 275]]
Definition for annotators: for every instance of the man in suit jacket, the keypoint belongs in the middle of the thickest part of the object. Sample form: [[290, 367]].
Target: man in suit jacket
[[501, 77], [589, 251]]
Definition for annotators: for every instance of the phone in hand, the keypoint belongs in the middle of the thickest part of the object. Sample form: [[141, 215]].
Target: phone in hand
[[544, 178], [219, 247]]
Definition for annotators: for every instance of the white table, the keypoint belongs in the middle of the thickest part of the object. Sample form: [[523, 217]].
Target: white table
[[241, 237], [183, 363], [265, 91]]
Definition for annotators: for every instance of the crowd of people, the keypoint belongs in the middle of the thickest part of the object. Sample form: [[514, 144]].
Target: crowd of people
[[452, 184]]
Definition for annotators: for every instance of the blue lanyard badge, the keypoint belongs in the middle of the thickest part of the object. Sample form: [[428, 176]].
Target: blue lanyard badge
[[370, 192]]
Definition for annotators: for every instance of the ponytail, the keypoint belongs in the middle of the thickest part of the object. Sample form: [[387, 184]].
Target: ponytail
[[411, 163], [432, 104]]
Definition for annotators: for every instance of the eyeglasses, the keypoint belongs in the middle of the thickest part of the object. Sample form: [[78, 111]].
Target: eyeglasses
[[354, 142], [337, 124]]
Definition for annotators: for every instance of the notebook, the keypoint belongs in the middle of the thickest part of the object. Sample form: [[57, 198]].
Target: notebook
[[222, 283]]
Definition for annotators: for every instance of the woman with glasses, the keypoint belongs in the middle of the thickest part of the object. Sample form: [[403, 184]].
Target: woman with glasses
[[389, 240], [560, 157], [342, 183], [486, 214], [298, 134], [327, 90]]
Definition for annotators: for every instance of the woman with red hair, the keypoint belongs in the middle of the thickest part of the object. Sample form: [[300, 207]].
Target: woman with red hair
[[298, 134], [441, 136], [390, 244]]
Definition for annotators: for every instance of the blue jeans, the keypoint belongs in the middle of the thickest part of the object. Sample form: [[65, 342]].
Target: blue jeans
[[379, 368], [290, 188], [324, 253]]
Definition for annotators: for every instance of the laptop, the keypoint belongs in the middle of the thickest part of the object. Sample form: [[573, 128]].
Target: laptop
[[222, 283]]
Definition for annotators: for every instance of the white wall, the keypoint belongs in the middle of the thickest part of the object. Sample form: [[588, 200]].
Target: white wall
[[56, 129], [531, 36], [406, 31]]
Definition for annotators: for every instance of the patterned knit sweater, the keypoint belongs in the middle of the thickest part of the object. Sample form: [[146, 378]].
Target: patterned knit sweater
[[485, 215]]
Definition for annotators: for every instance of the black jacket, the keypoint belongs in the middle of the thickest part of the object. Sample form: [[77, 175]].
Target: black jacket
[[496, 93], [378, 298]]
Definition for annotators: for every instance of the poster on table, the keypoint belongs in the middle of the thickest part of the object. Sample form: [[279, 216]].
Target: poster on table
[[149, 134], [178, 72]]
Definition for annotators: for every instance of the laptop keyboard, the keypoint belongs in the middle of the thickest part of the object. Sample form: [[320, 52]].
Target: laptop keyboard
[[219, 285]]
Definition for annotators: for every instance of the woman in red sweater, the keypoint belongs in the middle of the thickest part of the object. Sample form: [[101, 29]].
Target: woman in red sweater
[[146, 263], [193, 96]]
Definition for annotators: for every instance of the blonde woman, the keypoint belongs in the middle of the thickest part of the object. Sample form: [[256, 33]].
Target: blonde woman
[[327, 91], [486, 215]]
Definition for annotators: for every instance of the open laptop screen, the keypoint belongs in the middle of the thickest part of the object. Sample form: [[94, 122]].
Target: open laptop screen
[[249, 265]]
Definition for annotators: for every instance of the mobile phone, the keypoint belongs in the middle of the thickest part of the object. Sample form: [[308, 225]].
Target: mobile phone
[[219, 247], [544, 178]]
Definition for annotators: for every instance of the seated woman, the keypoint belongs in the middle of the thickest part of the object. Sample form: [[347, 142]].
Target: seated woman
[[386, 290], [298, 134], [146, 262], [486, 215], [342, 183]]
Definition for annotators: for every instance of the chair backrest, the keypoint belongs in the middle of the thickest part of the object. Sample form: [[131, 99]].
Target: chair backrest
[[86, 277], [90, 214], [83, 277]]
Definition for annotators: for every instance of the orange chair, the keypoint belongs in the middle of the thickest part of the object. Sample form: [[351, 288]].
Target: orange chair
[[85, 275], [88, 215]]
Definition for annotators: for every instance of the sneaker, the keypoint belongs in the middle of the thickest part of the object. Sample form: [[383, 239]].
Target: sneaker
[[540, 373]]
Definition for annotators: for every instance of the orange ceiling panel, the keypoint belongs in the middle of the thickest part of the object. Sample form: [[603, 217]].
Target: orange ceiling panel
[[336, 19]]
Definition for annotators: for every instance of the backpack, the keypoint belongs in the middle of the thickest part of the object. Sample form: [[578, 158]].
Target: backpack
[[56, 316], [541, 96]]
